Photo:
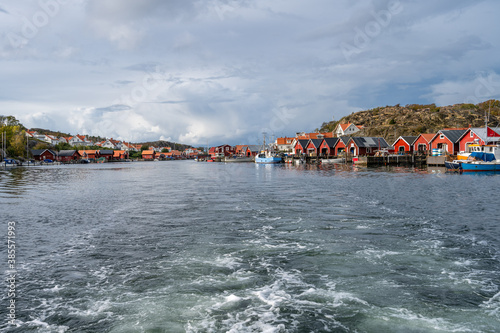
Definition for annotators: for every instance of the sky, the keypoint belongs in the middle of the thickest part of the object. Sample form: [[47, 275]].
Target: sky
[[213, 72]]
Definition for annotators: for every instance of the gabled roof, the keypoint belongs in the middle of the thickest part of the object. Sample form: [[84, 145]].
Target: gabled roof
[[410, 140], [316, 142], [253, 148], [331, 142], [370, 142], [452, 135], [106, 152], [302, 142], [344, 139], [148, 152], [118, 153], [83, 152], [427, 137], [64, 153], [344, 126], [38, 152], [485, 134]]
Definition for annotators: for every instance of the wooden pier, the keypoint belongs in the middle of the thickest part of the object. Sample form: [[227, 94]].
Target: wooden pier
[[408, 160], [404, 160]]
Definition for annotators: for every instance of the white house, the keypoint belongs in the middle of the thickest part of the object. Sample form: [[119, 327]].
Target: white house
[[346, 129], [79, 140]]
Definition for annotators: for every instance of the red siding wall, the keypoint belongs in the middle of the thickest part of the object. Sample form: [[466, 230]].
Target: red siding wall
[[45, 155], [450, 146], [340, 146], [310, 147], [402, 143], [468, 139], [421, 140]]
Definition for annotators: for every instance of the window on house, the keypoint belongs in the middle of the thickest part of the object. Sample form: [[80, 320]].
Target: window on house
[[471, 135], [441, 136]]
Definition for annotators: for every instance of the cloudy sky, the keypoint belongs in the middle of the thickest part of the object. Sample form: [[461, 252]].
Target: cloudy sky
[[224, 71]]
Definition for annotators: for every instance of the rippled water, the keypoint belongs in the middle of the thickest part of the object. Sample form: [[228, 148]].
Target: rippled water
[[208, 247]]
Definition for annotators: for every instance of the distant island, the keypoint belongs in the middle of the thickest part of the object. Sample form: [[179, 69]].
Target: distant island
[[18, 141]]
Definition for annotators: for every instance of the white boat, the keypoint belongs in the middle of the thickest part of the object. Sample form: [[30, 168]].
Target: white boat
[[333, 160], [9, 162], [486, 160], [268, 157]]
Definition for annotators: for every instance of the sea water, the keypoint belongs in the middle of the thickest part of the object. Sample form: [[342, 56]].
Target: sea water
[[181, 246]]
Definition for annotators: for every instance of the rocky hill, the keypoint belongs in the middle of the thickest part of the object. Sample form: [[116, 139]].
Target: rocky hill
[[162, 143], [392, 121]]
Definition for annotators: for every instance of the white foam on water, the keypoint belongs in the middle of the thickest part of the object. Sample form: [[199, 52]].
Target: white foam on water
[[492, 306], [95, 309], [412, 320], [379, 254], [44, 327], [54, 289], [226, 260], [463, 262], [233, 298]]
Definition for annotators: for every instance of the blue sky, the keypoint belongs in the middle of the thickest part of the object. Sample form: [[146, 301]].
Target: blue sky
[[224, 71]]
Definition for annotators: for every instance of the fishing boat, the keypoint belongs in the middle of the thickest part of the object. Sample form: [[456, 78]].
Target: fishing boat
[[482, 158], [487, 160], [267, 155]]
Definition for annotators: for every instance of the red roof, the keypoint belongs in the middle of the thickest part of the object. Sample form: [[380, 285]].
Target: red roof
[[428, 137]]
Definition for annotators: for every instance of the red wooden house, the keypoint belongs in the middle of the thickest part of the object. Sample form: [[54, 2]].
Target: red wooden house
[[341, 146], [120, 155], [148, 155], [44, 154], [404, 144], [327, 147], [250, 150], [238, 149], [66, 156], [422, 143], [107, 154], [480, 136], [447, 140], [365, 145], [89, 154], [313, 147], [300, 146], [222, 151]]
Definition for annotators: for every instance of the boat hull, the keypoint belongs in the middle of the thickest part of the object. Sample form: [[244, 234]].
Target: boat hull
[[480, 166], [453, 166], [268, 160]]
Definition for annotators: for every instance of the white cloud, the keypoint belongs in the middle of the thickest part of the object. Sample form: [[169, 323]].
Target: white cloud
[[478, 89], [225, 70]]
